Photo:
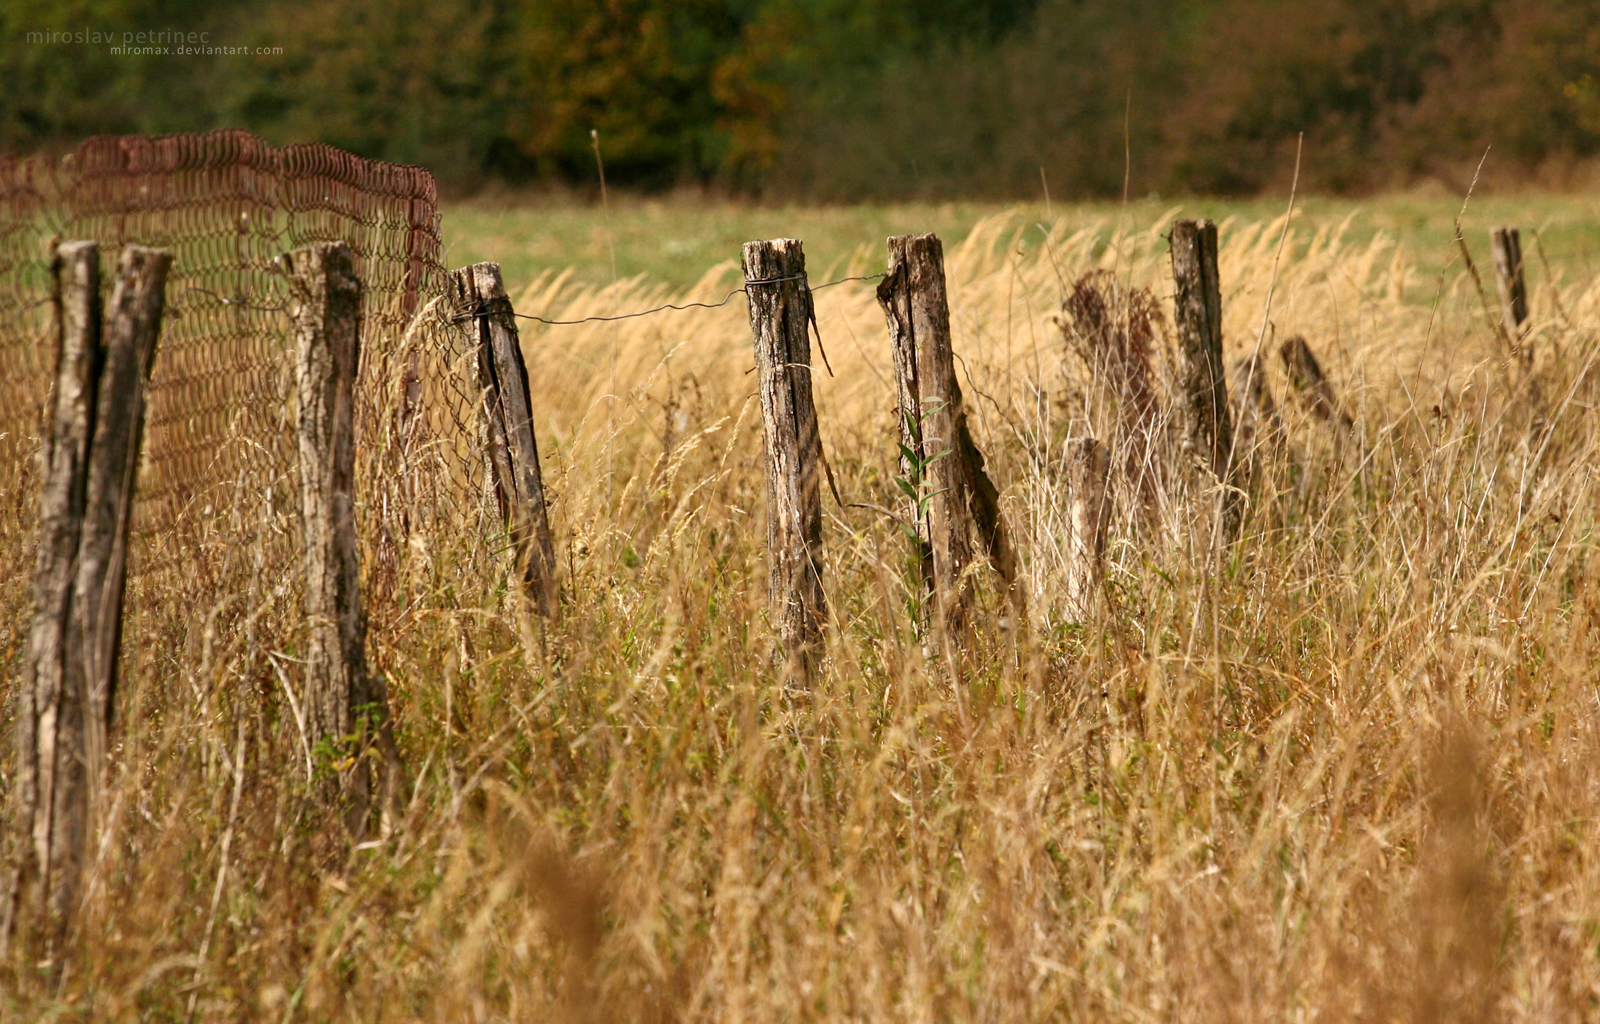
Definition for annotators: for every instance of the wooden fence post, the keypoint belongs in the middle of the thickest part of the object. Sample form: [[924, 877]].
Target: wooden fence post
[[1088, 469], [1203, 379], [1507, 245], [513, 451], [90, 462], [344, 706], [133, 326], [1306, 377], [780, 319], [954, 504]]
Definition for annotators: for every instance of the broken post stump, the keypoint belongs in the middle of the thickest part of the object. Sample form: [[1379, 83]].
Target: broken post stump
[[90, 465], [1507, 245], [1088, 471], [345, 708], [1309, 382], [512, 449], [953, 503], [1203, 386], [780, 318]]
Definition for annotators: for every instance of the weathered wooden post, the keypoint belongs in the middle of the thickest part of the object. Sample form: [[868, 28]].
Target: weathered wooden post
[[780, 318], [1306, 377], [954, 504], [1507, 245], [344, 707], [90, 461], [513, 451], [133, 325], [1208, 431], [1088, 469]]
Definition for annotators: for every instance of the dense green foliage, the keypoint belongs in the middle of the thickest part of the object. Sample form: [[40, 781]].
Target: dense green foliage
[[834, 99]]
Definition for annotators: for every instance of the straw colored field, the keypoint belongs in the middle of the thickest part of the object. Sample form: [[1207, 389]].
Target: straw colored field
[[1343, 769]]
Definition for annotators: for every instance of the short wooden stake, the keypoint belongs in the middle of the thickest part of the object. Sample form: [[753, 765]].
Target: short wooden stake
[[1088, 470], [956, 507], [1306, 377], [512, 449], [345, 709], [1208, 431], [90, 463], [780, 319], [1507, 245]]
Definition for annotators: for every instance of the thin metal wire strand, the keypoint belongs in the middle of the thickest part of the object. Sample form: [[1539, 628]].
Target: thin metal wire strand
[[670, 306]]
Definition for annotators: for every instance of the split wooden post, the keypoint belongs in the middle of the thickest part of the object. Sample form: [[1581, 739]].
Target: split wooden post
[[90, 464], [953, 502], [513, 451], [133, 326], [1507, 245], [1208, 430], [1088, 472], [780, 320], [1306, 377], [345, 707]]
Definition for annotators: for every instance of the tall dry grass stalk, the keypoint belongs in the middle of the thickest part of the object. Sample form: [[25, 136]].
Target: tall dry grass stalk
[[1350, 773]]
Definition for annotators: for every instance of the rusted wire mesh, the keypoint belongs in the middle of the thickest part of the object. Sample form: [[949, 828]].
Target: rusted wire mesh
[[220, 415]]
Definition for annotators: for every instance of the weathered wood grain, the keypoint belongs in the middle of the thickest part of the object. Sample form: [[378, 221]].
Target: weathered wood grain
[[52, 784], [780, 318], [957, 506], [1087, 466], [1203, 386], [512, 448], [341, 711]]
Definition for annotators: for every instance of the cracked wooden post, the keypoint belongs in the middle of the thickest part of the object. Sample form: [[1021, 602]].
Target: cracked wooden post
[[345, 707], [133, 326], [1208, 431], [1088, 472], [511, 448], [90, 465], [955, 505], [1507, 245], [780, 319]]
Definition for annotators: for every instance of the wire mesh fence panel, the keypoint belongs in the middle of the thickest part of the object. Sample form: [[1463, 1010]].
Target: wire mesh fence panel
[[220, 419]]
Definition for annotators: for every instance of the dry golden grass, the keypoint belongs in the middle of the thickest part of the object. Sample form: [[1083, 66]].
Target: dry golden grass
[[1345, 770]]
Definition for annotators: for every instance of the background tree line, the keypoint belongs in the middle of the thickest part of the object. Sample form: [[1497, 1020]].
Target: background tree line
[[848, 99]]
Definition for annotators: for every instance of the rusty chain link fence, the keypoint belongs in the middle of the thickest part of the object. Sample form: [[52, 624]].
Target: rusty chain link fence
[[219, 428]]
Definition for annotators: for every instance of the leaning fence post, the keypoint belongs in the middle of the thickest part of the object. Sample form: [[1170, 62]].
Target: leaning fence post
[[1306, 377], [513, 451], [780, 318], [91, 459], [1203, 379], [344, 707], [953, 502], [1088, 471], [1507, 245]]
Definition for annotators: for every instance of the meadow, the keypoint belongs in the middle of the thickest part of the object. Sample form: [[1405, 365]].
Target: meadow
[[1341, 769]]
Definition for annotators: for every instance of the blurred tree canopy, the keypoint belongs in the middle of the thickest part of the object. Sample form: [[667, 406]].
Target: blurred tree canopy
[[843, 99]]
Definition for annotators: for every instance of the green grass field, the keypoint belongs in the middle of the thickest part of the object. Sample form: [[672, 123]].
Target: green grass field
[[675, 241]]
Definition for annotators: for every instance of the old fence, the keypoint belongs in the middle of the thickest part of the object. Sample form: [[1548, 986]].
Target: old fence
[[307, 306]]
